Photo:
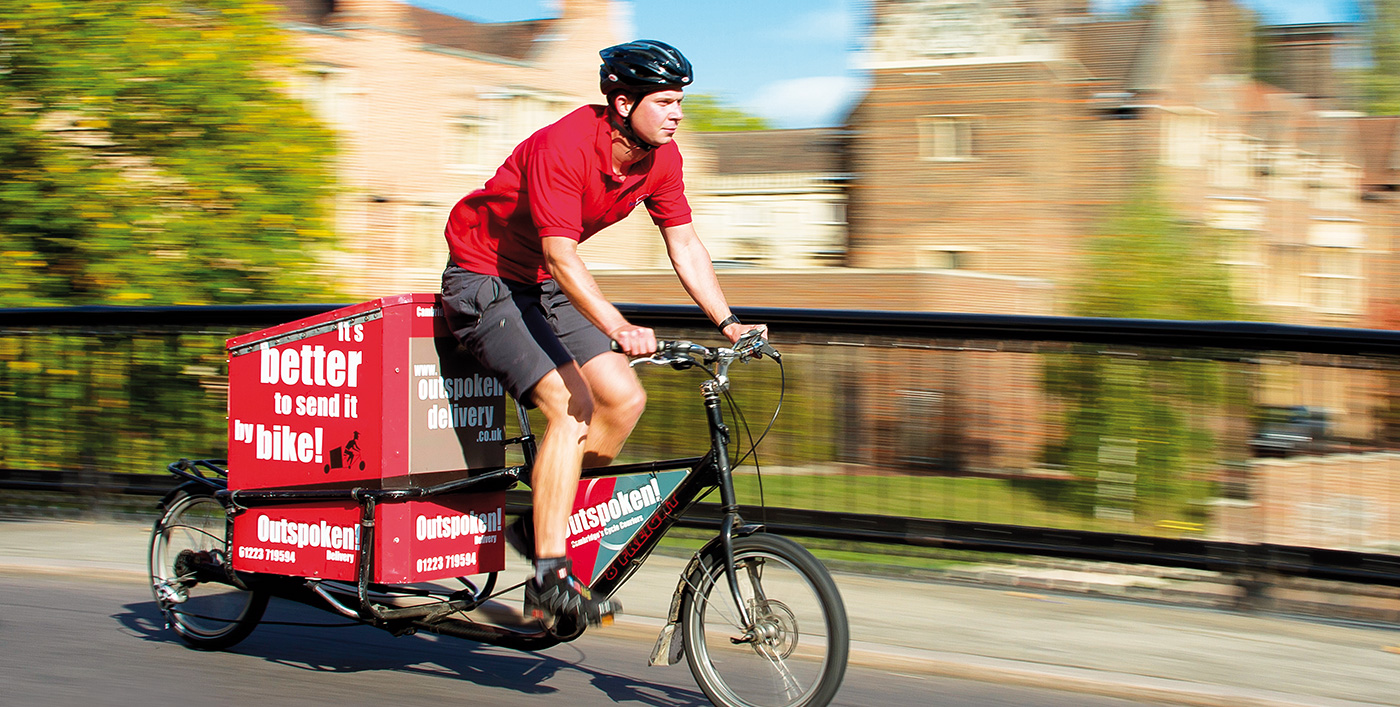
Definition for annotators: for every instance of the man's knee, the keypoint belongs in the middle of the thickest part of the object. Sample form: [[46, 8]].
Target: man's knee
[[563, 397], [630, 403], [619, 394]]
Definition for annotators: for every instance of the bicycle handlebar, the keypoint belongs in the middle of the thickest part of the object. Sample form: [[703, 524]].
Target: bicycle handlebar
[[686, 353]]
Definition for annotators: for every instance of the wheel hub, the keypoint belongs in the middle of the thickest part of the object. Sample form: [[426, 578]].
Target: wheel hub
[[775, 628]]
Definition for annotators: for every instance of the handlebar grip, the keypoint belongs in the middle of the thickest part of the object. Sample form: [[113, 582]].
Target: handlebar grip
[[616, 347]]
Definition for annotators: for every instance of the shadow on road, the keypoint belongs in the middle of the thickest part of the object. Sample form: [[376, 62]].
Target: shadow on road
[[337, 647]]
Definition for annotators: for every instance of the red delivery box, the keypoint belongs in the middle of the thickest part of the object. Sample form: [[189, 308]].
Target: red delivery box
[[374, 395], [415, 541]]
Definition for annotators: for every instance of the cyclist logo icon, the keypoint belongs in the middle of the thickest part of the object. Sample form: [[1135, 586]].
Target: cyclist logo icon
[[346, 457]]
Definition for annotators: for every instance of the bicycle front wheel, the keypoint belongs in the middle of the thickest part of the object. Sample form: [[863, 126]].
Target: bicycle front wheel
[[795, 654], [191, 576]]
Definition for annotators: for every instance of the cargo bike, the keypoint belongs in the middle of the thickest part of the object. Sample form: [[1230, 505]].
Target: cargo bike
[[366, 476]]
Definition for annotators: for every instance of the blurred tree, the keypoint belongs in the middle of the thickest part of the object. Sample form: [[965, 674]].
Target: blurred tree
[[1380, 83], [1138, 428], [148, 155], [1148, 264], [705, 113]]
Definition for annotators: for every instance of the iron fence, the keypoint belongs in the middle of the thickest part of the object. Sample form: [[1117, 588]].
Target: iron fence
[[1233, 446]]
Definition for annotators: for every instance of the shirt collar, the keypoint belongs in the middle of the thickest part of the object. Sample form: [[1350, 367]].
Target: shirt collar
[[604, 145]]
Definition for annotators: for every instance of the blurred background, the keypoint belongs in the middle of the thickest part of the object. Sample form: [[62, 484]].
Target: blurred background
[[1180, 159]]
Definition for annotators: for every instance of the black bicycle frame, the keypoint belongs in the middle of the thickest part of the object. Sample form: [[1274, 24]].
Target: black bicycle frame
[[704, 474]]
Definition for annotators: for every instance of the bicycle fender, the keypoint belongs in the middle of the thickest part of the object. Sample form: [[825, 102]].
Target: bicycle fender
[[743, 531], [666, 646], [189, 488]]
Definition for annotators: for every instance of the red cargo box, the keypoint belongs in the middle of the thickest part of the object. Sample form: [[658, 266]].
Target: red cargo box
[[305, 540], [417, 541], [375, 395]]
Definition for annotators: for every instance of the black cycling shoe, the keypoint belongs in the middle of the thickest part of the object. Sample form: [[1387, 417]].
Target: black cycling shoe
[[520, 535], [563, 594]]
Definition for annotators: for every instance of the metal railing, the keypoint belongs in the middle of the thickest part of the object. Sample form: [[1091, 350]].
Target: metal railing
[[1240, 447]]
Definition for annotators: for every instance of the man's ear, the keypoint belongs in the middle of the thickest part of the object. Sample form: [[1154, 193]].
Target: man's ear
[[620, 100]]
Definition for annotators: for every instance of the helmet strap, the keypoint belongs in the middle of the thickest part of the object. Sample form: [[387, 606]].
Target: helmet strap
[[624, 126]]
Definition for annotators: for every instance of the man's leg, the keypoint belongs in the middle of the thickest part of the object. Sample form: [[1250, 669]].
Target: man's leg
[[618, 402], [562, 395], [564, 399]]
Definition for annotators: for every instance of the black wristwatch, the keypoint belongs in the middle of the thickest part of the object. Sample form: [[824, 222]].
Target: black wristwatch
[[731, 319]]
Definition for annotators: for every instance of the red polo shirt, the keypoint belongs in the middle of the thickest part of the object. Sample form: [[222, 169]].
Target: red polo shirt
[[559, 182]]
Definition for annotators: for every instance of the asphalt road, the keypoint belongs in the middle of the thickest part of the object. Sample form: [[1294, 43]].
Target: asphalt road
[[103, 642]]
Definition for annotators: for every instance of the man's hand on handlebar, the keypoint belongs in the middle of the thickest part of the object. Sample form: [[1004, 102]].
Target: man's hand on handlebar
[[634, 340], [736, 331]]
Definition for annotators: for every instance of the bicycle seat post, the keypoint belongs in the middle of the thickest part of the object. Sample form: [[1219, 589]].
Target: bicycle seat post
[[526, 440]]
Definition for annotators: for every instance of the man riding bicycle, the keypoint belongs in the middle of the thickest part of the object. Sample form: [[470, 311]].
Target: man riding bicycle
[[517, 295]]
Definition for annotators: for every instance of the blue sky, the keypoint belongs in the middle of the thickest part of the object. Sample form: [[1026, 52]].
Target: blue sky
[[792, 61]]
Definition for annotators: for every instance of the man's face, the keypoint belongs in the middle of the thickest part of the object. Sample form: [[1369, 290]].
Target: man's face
[[656, 117]]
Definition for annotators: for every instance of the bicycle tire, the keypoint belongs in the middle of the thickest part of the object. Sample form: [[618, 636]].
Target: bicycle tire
[[799, 659], [208, 615]]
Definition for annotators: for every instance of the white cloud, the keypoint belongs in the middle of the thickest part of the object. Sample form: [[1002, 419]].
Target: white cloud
[[815, 101]]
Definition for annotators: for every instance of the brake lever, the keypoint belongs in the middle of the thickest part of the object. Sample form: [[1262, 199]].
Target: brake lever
[[655, 358], [753, 340]]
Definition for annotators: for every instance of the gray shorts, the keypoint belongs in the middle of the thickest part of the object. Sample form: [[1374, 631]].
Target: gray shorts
[[519, 331]]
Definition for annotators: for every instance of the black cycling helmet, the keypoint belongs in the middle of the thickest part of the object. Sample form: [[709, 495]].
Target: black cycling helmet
[[642, 67]]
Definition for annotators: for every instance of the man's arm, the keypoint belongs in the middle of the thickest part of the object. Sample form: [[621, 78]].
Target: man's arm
[[567, 268], [697, 273]]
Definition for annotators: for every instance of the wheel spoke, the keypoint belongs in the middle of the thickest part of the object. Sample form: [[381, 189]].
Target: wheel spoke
[[791, 688], [704, 597], [192, 535], [216, 538], [760, 665]]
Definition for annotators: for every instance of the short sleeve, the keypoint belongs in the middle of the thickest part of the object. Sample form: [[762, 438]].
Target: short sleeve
[[555, 187], [667, 204]]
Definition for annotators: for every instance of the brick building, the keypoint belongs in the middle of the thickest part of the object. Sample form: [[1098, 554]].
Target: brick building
[[1306, 59], [996, 136], [427, 106]]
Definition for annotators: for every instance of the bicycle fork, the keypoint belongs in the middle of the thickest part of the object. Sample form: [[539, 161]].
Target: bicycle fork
[[719, 441]]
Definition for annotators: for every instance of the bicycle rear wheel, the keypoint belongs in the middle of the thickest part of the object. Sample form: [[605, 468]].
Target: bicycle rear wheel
[[190, 576], [795, 657]]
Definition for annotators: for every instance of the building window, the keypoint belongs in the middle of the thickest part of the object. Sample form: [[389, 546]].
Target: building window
[[514, 114], [750, 214], [829, 213], [1186, 139], [945, 258], [1335, 283], [466, 136], [324, 88], [946, 138], [1232, 162], [1336, 187]]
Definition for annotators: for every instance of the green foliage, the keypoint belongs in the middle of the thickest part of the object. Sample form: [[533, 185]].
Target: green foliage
[[1149, 265], [1380, 84], [148, 156], [705, 113], [1140, 426], [114, 401]]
